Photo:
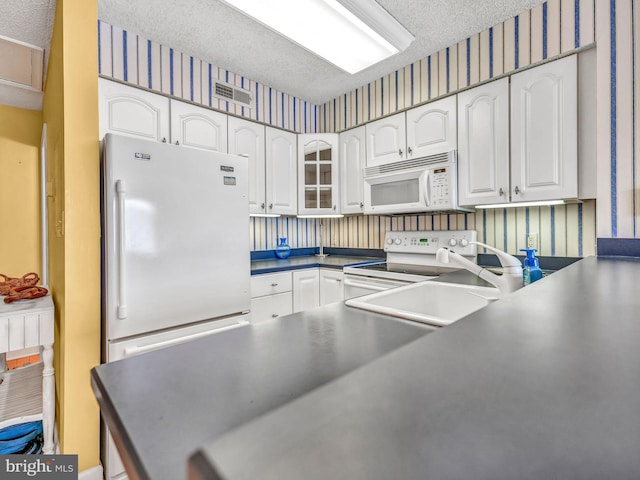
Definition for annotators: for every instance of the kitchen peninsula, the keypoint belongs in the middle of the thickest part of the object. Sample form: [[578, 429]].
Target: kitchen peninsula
[[541, 384]]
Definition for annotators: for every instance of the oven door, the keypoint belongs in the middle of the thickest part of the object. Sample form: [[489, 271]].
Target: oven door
[[359, 285], [401, 191]]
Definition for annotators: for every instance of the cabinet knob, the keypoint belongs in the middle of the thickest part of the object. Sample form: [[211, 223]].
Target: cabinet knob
[[274, 315], [177, 142], [334, 207], [409, 150], [400, 151], [501, 192], [262, 206], [164, 139], [361, 205], [271, 206], [338, 279], [274, 284], [517, 190]]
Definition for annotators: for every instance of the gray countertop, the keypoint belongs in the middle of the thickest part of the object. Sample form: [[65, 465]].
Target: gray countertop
[[308, 261], [163, 405], [542, 384]]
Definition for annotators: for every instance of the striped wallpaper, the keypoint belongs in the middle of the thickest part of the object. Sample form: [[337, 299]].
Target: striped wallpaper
[[550, 29]]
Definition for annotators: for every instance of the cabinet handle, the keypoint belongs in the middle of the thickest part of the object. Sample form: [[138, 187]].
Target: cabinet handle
[[274, 315], [409, 151], [338, 280], [262, 206], [400, 151], [361, 205], [164, 139], [271, 206], [177, 142], [517, 190], [501, 192], [334, 207], [274, 284]]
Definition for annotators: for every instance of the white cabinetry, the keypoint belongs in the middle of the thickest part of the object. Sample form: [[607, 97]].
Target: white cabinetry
[[281, 172], [318, 170], [194, 126], [248, 139], [331, 286], [130, 111], [306, 289], [386, 140], [271, 296], [544, 141], [538, 160], [431, 128], [483, 144], [352, 163]]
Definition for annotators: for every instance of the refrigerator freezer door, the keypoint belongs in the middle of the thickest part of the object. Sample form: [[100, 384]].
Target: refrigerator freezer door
[[176, 236]]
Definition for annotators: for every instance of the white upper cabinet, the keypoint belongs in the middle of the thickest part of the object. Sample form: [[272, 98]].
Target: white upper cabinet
[[431, 128], [544, 121], [318, 174], [352, 163], [130, 111], [248, 139], [198, 127], [386, 140], [483, 144], [281, 172]]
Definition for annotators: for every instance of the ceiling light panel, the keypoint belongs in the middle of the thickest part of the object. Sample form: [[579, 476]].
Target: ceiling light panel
[[330, 30]]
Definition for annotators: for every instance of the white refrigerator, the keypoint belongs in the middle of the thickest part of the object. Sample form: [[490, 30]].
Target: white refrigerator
[[175, 240]]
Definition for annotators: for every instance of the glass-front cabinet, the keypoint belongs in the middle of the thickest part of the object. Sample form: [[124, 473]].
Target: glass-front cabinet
[[318, 168]]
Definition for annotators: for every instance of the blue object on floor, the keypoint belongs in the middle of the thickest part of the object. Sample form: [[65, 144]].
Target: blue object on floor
[[21, 438]]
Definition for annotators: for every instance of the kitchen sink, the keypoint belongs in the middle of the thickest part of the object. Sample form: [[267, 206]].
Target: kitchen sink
[[431, 302]]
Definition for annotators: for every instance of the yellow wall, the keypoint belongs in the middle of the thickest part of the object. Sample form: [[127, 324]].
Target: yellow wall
[[70, 110], [20, 132]]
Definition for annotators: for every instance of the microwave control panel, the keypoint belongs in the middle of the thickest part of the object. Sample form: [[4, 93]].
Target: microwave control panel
[[440, 194]]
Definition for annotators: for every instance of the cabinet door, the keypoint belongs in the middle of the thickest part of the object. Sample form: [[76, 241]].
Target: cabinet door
[[130, 111], [331, 286], [198, 127], [281, 172], [247, 139], [270, 307], [386, 140], [352, 163], [318, 174], [544, 113], [431, 128], [306, 289], [483, 144]]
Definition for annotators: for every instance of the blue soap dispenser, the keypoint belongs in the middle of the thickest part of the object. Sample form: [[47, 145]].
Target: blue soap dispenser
[[531, 271]]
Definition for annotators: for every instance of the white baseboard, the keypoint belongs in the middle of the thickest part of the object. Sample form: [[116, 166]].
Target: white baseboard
[[93, 473]]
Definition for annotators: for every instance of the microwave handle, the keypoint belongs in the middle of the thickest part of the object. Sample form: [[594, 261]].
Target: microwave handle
[[427, 188]]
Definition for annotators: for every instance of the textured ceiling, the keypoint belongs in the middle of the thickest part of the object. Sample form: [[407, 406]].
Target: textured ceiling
[[218, 34]]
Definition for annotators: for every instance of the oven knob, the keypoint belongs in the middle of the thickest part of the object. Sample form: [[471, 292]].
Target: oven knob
[[464, 242], [453, 242], [389, 241], [398, 241]]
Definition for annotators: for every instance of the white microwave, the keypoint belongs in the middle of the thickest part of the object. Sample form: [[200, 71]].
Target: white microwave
[[427, 184]]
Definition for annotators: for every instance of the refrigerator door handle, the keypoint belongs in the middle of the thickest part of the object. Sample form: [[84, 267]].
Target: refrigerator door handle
[[135, 350], [122, 300]]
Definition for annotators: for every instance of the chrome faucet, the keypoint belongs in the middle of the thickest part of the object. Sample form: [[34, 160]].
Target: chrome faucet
[[509, 281]]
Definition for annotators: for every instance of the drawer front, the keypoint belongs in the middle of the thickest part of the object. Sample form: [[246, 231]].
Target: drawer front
[[270, 283], [270, 307]]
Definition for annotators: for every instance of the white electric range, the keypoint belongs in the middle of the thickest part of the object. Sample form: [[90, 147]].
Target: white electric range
[[411, 258]]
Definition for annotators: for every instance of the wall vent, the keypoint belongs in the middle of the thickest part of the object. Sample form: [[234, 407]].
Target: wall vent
[[21, 64], [233, 94]]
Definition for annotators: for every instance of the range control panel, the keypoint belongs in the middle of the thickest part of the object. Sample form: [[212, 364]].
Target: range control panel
[[428, 242]]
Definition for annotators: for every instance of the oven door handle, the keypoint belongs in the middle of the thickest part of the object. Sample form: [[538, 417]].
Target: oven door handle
[[369, 286]]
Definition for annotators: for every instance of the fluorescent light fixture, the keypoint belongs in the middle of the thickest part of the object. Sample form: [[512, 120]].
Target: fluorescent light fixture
[[530, 204], [351, 34], [264, 215], [320, 216]]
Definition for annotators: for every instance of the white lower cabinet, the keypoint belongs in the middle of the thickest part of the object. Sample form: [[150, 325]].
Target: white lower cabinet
[[271, 296], [331, 286], [306, 289]]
